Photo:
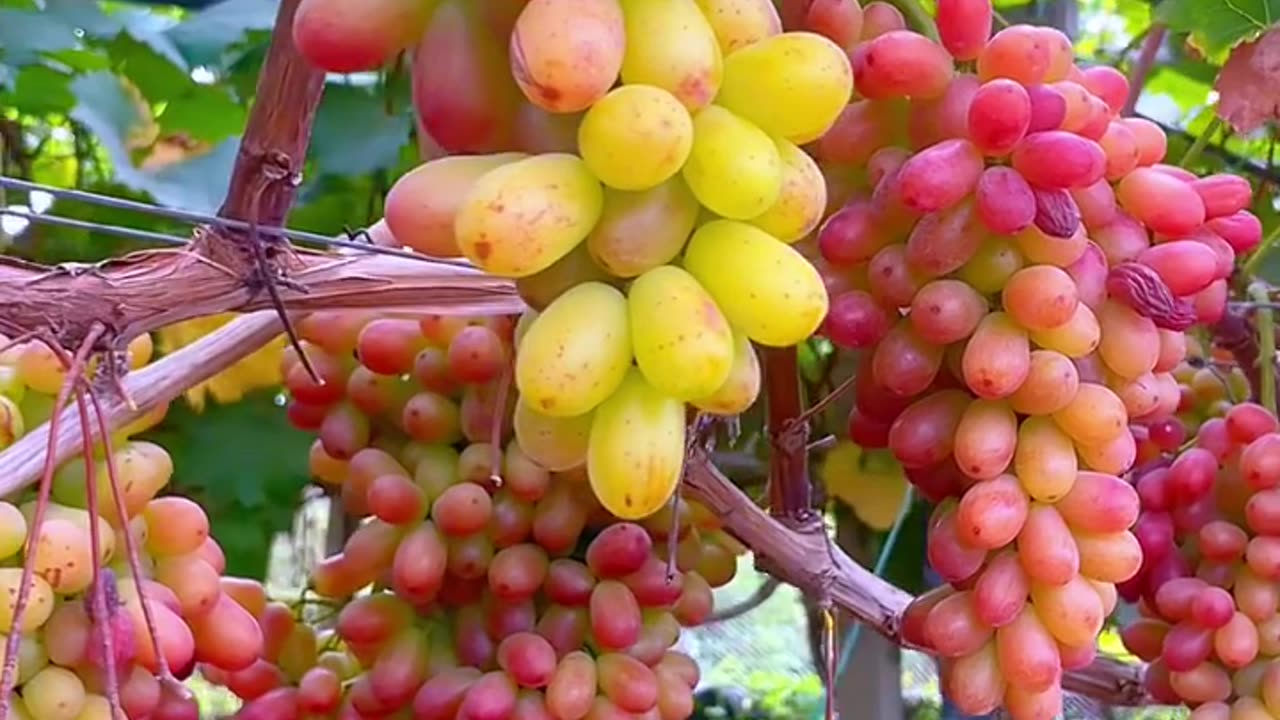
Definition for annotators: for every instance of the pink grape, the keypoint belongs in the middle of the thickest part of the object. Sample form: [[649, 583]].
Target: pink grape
[[1059, 159], [1004, 201], [999, 116]]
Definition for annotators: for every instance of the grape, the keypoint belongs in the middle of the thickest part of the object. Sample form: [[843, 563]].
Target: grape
[[1021, 702], [948, 555], [801, 200], [620, 549], [538, 131], [1130, 344], [400, 669], [855, 320], [992, 512], [940, 176], [1121, 149], [942, 118], [340, 38], [1046, 547], [576, 353], [995, 261], [850, 235], [1107, 83], [997, 358], [1186, 266], [627, 682], [953, 629], [777, 306], [792, 85], [1048, 108], [636, 449], [572, 688], [1057, 159], [1163, 203], [1242, 230], [1028, 654], [1000, 593], [1152, 143], [556, 443], [899, 63], [944, 241], [944, 311], [521, 217], [740, 390], [421, 206], [192, 579], [862, 128], [639, 231], [985, 439], [1110, 557], [558, 519], [462, 89], [565, 56], [492, 695], [1094, 416], [903, 363], [879, 18], [924, 433], [476, 355], [999, 116], [964, 26], [636, 137], [670, 45], [1075, 338], [55, 693], [839, 20], [1018, 52], [462, 509], [1072, 612], [615, 615], [1040, 297], [739, 23], [734, 168], [1052, 380], [682, 360]]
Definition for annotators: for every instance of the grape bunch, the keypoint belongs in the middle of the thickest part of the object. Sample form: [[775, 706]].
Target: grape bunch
[[636, 167], [485, 580], [1207, 594], [126, 594], [1019, 267]]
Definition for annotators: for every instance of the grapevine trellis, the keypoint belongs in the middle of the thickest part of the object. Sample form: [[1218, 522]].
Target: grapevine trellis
[[235, 267]]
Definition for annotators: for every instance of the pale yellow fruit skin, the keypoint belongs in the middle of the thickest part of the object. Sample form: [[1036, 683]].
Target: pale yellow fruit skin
[[422, 205], [793, 85], [683, 343], [734, 168], [739, 23], [764, 287], [576, 352], [635, 137], [14, 535], [556, 443], [520, 218], [739, 391], [54, 693], [802, 199], [671, 45], [39, 600], [639, 231], [636, 452]]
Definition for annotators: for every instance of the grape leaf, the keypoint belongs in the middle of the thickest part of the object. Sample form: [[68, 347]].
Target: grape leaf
[[1215, 26], [204, 37], [1249, 84], [375, 146], [24, 35]]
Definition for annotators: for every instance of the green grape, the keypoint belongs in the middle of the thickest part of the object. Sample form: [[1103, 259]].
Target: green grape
[[682, 341], [794, 85], [995, 261], [639, 231], [734, 168], [741, 388], [556, 443], [13, 530], [671, 45], [521, 217], [636, 451], [576, 352], [802, 199], [635, 137], [763, 286]]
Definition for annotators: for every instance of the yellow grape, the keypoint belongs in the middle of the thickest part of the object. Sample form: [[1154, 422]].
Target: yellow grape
[[764, 287], [521, 217], [1115, 456], [996, 260], [1045, 459], [33, 656], [1109, 557], [997, 358], [1072, 613], [576, 352], [682, 342], [96, 707], [639, 231], [12, 425], [1130, 343], [41, 370], [793, 85], [13, 530], [635, 137], [1051, 383], [734, 168], [421, 206], [985, 439], [1020, 702], [54, 693], [522, 325], [63, 555], [739, 23], [1094, 416], [556, 443], [636, 450], [1075, 338], [802, 199], [670, 45], [741, 388]]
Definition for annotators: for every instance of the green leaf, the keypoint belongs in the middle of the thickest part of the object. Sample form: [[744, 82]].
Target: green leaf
[[204, 37], [24, 35], [908, 554], [1216, 26], [246, 466], [353, 134], [114, 116], [39, 89]]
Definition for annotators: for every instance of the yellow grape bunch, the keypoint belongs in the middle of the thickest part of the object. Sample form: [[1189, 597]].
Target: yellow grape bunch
[[653, 239]]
